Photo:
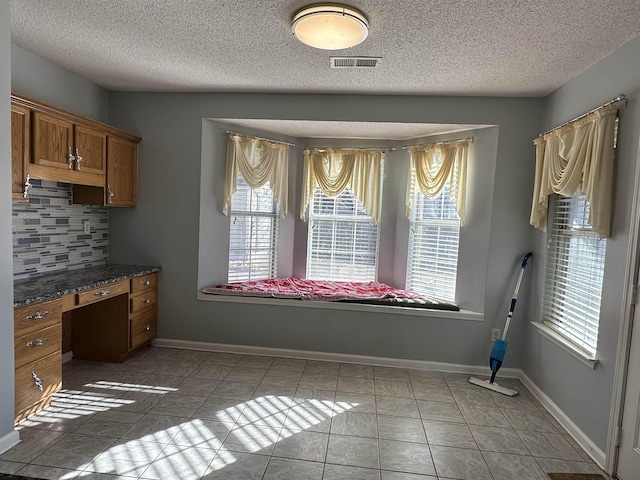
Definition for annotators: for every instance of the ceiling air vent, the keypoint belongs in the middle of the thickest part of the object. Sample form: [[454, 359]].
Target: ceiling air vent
[[355, 62]]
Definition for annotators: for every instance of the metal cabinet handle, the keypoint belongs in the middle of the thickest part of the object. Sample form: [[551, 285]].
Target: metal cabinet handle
[[110, 194], [37, 380], [38, 315], [102, 293], [146, 328], [145, 300], [37, 342], [145, 282], [27, 186], [70, 159], [78, 159]]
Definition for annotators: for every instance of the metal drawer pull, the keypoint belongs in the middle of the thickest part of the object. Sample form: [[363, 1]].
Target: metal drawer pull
[[37, 380], [145, 300], [27, 187], [37, 342], [146, 328], [78, 159], [102, 293], [38, 315], [70, 159], [145, 282]]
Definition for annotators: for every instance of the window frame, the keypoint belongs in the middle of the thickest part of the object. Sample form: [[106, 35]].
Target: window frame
[[416, 194], [552, 301], [355, 218], [254, 216]]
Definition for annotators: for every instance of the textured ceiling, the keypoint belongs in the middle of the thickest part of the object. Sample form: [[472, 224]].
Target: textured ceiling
[[433, 47]]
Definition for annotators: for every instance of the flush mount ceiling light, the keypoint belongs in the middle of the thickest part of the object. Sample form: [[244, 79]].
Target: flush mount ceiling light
[[330, 27]]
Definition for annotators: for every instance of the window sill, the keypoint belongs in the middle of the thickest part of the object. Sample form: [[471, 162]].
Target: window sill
[[416, 312], [567, 346]]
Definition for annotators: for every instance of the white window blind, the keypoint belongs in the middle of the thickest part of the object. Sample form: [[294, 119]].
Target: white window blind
[[253, 234], [434, 236], [342, 239], [575, 267]]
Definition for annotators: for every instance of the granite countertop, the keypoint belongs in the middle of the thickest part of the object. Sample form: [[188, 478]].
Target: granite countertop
[[53, 285]]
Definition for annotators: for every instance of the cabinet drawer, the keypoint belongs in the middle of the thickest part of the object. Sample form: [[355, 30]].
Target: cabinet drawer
[[35, 345], [48, 370], [145, 282], [143, 328], [34, 317], [143, 301], [101, 293]]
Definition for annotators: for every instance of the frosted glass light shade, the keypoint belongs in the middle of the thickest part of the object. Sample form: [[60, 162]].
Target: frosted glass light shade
[[330, 27]]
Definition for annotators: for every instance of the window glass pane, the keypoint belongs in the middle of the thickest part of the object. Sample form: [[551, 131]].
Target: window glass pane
[[253, 233], [343, 239], [433, 245], [575, 272]]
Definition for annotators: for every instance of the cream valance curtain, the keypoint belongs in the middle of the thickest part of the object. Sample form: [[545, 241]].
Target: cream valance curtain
[[334, 170], [432, 166], [577, 159], [259, 161]]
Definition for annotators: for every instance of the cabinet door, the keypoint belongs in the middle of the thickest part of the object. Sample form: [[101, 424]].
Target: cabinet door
[[91, 146], [122, 172], [53, 137], [19, 150]]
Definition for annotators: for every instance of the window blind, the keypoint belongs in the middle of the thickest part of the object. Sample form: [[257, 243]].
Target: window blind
[[253, 233], [342, 239], [575, 270], [434, 237]]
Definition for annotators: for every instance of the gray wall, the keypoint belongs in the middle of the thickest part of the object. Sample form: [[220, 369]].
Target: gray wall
[[585, 394], [44, 81], [165, 227], [6, 279]]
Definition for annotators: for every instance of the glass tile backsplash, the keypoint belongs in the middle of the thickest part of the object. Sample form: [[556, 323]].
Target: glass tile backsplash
[[48, 232]]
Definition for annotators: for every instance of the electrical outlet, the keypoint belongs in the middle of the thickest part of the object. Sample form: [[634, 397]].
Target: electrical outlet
[[495, 334], [86, 226]]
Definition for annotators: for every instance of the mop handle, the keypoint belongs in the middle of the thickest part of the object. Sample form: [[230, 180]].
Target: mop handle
[[514, 299]]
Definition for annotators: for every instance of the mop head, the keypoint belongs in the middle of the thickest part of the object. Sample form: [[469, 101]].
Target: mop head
[[493, 387]]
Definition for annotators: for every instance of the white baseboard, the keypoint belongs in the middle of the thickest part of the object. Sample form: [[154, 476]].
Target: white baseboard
[[9, 440], [596, 454], [334, 357]]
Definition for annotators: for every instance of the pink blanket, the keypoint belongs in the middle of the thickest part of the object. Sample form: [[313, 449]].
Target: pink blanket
[[310, 289]]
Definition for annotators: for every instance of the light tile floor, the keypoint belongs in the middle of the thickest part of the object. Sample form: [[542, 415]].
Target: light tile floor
[[182, 414]]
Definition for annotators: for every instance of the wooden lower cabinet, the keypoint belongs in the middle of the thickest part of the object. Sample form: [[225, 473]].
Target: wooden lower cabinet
[[37, 381], [143, 301], [121, 318], [38, 344], [143, 328], [38, 357], [143, 310], [106, 324]]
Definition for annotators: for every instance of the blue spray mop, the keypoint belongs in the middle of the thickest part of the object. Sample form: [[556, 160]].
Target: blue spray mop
[[500, 345]]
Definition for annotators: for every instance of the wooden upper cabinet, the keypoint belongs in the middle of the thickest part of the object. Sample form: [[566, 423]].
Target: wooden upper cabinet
[[90, 149], [52, 141], [122, 172], [61, 146], [20, 142]]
